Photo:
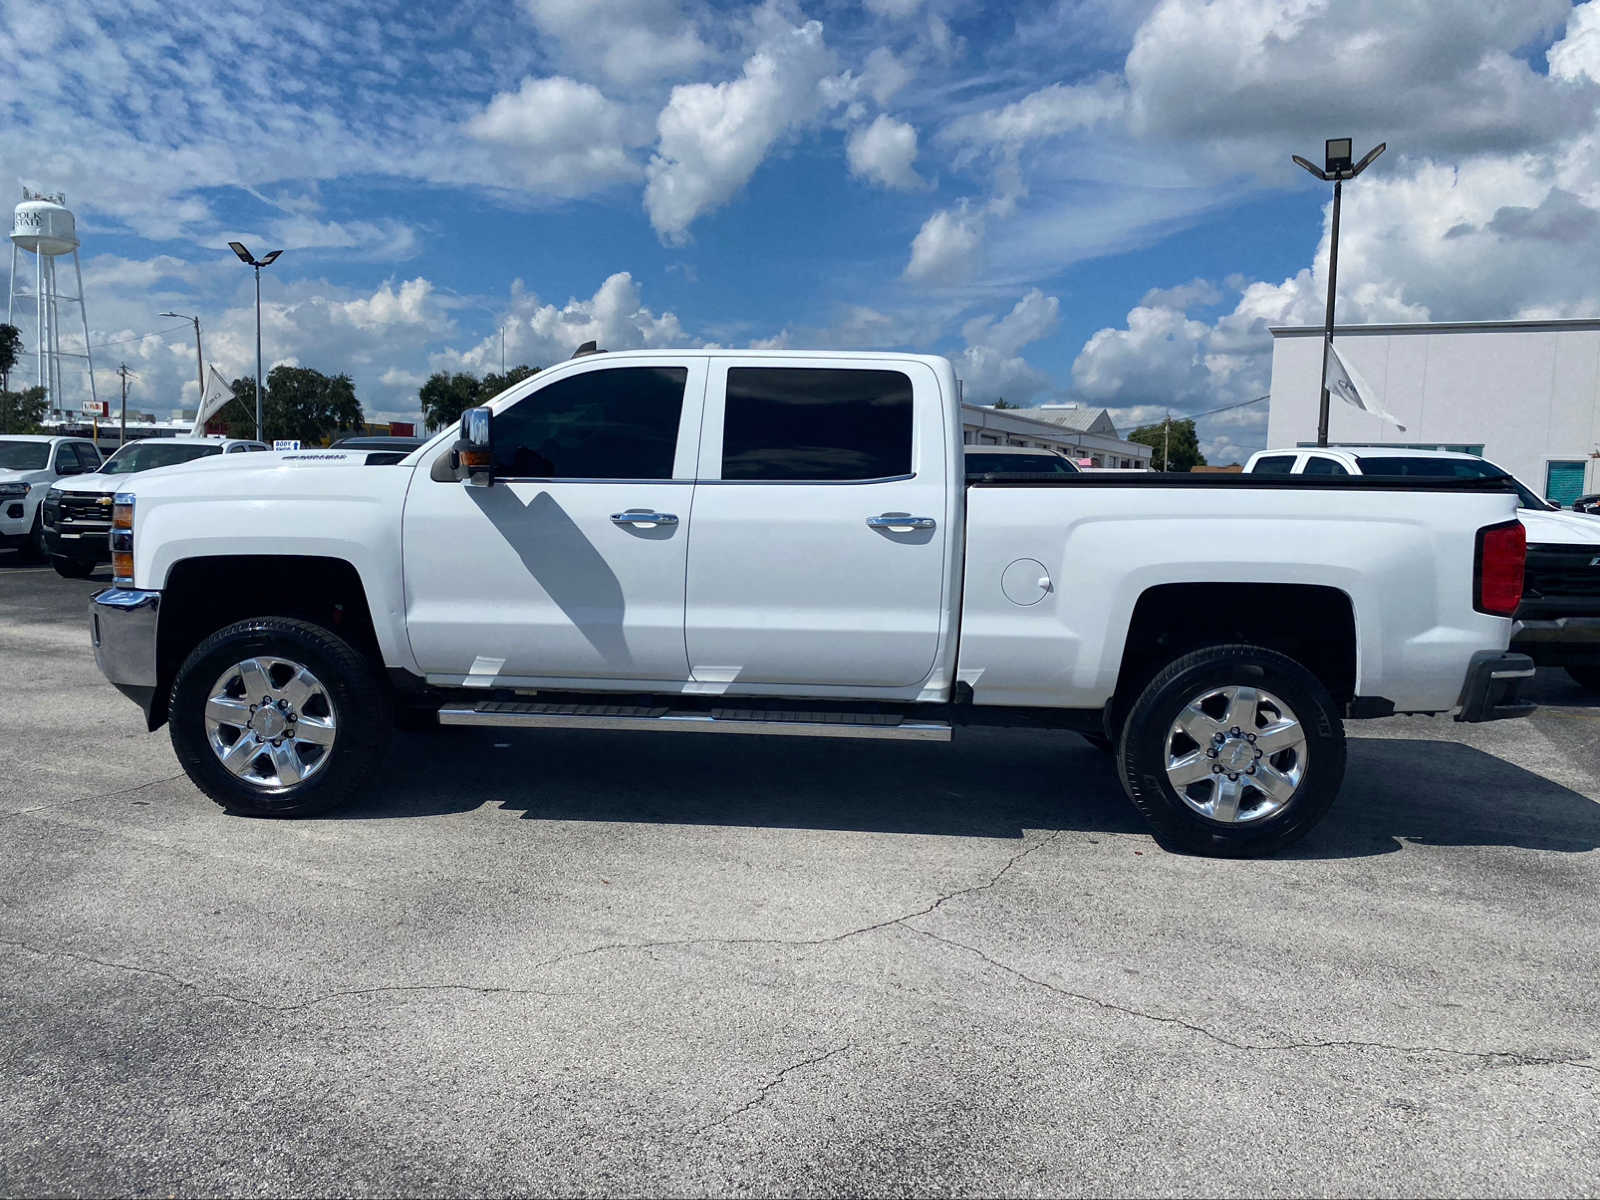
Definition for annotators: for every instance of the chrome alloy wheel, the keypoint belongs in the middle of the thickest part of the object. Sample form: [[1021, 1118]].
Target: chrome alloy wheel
[[1236, 754], [270, 722]]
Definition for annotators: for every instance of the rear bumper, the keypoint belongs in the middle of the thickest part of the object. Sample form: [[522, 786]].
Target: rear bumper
[[122, 626], [1559, 641], [1490, 690]]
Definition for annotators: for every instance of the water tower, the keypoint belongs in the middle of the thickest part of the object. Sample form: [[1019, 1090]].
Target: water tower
[[44, 227]]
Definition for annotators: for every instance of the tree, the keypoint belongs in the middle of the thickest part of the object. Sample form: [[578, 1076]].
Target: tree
[[1004, 403], [10, 351], [300, 404], [21, 412], [444, 396], [1184, 444]]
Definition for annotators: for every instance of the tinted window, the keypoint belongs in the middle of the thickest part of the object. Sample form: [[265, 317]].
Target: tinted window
[[816, 423], [24, 456], [1323, 466], [88, 456], [1018, 464], [1431, 468], [620, 423], [1278, 464]]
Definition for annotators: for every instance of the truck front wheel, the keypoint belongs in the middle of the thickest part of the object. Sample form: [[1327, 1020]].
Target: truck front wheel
[[1232, 751], [273, 717]]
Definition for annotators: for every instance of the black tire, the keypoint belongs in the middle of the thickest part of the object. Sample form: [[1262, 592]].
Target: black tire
[[1143, 747], [33, 548], [1586, 676], [71, 568], [356, 692]]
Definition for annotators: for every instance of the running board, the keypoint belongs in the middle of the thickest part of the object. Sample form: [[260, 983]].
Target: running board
[[514, 715]]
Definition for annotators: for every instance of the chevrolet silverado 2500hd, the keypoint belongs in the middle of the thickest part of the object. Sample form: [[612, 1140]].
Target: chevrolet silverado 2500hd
[[784, 543]]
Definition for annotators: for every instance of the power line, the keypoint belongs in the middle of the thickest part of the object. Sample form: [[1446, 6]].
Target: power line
[[1226, 408], [138, 337]]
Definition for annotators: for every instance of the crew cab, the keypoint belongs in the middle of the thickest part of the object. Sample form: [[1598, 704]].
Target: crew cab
[[784, 543], [77, 512], [29, 464], [1558, 621]]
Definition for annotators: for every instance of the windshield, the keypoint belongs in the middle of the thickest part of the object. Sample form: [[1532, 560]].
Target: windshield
[[1453, 468], [24, 456], [147, 456], [1019, 464]]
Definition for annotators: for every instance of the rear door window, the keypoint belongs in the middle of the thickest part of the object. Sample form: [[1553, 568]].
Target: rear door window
[[88, 457], [1274, 464], [816, 424], [1323, 466]]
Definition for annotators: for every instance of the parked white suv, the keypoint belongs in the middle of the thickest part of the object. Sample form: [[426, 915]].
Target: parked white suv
[[29, 464], [1559, 617], [77, 512]]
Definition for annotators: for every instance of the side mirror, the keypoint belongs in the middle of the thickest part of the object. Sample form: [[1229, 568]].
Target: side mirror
[[474, 449]]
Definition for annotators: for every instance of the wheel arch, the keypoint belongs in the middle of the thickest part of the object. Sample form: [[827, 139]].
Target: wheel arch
[[206, 593]]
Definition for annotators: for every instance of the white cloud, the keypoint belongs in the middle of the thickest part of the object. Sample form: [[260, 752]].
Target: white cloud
[[1438, 73], [564, 137], [991, 366], [1197, 293], [539, 334], [714, 136], [388, 306], [1046, 113], [897, 10], [884, 74], [947, 249], [883, 153], [1030, 319], [630, 42]]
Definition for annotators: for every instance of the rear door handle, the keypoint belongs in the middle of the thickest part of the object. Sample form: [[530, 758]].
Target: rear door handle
[[900, 523], [636, 517]]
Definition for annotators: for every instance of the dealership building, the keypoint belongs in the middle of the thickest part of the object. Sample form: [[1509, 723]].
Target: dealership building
[[1524, 394], [1086, 435]]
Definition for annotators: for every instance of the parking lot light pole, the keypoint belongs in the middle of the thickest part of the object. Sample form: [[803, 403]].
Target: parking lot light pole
[[247, 260], [1337, 166]]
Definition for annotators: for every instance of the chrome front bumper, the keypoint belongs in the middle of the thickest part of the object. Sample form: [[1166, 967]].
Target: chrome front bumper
[[122, 625]]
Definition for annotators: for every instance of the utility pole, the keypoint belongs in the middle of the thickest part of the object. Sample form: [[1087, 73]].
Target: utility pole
[[199, 363], [122, 438], [1166, 442]]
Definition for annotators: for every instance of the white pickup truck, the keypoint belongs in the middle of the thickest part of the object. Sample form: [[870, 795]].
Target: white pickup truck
[[784, 543]]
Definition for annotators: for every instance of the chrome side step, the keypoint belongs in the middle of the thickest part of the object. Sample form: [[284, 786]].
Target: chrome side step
[[516, 715]]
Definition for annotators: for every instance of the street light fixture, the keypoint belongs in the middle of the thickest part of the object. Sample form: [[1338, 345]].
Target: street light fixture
[[1337, 165], [247, 260], [199, 362]]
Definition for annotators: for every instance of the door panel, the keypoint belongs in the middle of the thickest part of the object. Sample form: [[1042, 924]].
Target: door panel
[[787, 581], [532, 578]]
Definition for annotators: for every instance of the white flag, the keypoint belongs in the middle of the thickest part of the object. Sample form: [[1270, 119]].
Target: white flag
[[1345, 382], [217, 394]]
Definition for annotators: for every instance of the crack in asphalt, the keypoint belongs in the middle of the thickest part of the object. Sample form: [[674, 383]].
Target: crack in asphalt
[[681, 943], [127, 791], [1514, 1057], [766, 1088], [191, 985]]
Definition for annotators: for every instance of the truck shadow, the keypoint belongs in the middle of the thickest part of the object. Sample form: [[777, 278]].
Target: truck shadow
[[993, 783]]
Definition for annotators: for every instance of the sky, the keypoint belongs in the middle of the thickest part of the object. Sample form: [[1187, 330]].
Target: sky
[[1084, 201]]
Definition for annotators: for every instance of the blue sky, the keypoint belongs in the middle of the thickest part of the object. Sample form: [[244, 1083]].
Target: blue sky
[[1075, 199]]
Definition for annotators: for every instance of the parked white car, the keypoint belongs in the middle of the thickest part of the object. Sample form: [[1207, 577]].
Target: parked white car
[[77, 512], [784, 543], [1558, 622], [29, 464]]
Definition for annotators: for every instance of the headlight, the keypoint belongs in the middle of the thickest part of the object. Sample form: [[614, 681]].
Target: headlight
[[122, 540], [13, 491], [52, 506]]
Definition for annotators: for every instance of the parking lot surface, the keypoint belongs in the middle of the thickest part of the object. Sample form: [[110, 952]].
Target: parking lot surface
[[592, 963]]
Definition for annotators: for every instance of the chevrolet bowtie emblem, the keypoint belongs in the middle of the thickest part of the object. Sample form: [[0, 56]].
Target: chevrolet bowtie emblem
[[104, 502]]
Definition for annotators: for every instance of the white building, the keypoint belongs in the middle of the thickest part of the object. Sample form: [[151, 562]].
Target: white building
[[1084, 434], [1524, 394]]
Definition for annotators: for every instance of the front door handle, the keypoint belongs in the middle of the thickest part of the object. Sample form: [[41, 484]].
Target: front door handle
[[900, 522], [640, 517]]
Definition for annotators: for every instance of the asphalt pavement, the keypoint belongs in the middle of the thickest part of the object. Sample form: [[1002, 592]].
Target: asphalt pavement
[[601, 964]]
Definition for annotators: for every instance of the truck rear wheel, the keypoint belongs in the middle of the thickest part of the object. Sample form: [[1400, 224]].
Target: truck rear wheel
[[273, 717], [1232, 751]]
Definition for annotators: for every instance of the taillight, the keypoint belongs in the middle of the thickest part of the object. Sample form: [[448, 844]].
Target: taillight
[[122, 540], [1497, 574]]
